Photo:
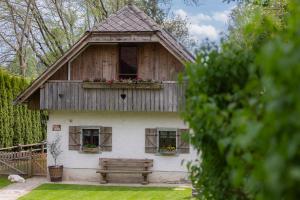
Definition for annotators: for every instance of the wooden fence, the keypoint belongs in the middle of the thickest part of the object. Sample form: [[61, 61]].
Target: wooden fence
[[27, 160]]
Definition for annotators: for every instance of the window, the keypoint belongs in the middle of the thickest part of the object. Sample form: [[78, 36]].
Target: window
[[90, 137], [167, 141], [128, 62]]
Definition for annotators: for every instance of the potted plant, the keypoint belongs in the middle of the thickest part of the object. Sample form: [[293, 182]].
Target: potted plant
[[55, 171], [168, 150], [90, 148]]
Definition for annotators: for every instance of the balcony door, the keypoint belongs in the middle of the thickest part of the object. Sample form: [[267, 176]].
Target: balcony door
[[128, 62]]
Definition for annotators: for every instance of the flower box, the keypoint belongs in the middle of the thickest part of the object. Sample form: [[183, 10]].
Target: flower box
[[168, 153], [90, 149], [122, 85]]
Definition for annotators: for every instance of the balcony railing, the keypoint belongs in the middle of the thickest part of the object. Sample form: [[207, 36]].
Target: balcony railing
[[77, 95]]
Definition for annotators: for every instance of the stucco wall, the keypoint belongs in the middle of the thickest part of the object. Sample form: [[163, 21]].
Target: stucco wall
[[128, 141]]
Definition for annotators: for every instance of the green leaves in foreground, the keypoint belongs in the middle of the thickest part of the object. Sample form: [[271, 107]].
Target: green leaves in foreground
[[243, 103]]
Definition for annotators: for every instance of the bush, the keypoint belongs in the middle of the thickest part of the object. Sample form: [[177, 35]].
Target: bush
[[243, 103]]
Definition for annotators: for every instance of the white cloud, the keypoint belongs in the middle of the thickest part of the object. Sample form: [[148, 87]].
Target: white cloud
[[201, 18], [200, 32], [205, 25], [181, 13], [221, 16]]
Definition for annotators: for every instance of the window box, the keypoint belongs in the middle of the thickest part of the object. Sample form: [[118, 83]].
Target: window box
[[87, 149], [122, 85], [167, 153]]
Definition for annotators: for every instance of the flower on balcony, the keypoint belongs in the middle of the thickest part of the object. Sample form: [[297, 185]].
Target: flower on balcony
[[110, 81], [129, 81]]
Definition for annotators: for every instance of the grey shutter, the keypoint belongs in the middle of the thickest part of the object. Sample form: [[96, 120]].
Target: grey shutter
[[74, 137], [106, 138], [183, 145], [150, 140]]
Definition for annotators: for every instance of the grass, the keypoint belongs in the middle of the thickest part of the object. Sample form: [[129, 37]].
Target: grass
[[88, 192], [4, 182]]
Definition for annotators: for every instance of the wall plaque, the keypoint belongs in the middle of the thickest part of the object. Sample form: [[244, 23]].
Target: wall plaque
[[56, 127]]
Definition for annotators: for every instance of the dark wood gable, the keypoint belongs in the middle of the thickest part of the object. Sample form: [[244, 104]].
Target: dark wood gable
[[95, 56], [102, 62]]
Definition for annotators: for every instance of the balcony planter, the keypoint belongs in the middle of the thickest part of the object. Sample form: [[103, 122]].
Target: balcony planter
[[56, 173], [122, 85], [169, 151], [90, 149]]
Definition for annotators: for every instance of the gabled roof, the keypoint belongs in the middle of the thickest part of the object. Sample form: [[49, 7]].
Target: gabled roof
[[128, 19], [131, 19]]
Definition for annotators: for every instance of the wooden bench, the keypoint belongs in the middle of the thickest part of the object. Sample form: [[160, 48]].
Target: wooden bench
[[125, 166]]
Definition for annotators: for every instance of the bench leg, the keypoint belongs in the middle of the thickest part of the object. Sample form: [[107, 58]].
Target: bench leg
[[104, 178], [145, 179]]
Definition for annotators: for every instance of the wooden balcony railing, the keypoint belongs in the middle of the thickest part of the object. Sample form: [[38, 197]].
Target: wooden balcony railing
[[77, 95]]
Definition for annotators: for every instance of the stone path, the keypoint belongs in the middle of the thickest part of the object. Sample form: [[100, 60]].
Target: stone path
[[16, 190]]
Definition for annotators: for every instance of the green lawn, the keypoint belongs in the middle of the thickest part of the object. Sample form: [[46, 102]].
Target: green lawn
[[4, 182], [88, 192]]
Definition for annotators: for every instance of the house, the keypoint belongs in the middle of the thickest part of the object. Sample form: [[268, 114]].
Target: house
[[115, 94]]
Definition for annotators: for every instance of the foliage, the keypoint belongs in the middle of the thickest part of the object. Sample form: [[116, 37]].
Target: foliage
[[83, 192], [243, 104], [90, 146], [54, 148], [18, 124]]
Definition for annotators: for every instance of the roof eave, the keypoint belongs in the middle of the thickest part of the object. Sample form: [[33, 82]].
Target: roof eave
[[34, 85]]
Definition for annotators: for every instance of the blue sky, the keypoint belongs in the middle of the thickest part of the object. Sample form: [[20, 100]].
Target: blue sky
[[207, 20]]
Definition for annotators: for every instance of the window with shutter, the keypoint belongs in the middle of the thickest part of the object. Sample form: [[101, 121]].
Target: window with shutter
[[183, 144], [151, 140], [74, 138], [106, 139], [90, 137], [166, 140]]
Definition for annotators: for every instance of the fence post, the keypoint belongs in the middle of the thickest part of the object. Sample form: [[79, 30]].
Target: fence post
[[43, 147], [30, 163], [19, 147]]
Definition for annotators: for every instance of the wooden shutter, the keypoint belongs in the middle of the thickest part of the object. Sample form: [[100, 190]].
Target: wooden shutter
[[183, 146], [74, 137], [106, 138], [150, 140]]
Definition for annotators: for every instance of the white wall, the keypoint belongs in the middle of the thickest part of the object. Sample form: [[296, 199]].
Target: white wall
[[128, 138]]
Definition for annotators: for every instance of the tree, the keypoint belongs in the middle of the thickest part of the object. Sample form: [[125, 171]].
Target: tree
[[37, 32], [241, 103]]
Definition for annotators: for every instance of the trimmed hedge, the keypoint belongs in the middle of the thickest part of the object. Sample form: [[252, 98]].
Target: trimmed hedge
[[18, 124]]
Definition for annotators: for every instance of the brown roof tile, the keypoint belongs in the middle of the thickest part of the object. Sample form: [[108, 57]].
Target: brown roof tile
[[132, 19]]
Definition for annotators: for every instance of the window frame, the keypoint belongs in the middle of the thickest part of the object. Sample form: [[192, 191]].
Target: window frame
[[159, 129], [119, 61], [89, 127]]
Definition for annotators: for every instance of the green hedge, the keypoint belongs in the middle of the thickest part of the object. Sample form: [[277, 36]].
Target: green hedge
[[18, 124]]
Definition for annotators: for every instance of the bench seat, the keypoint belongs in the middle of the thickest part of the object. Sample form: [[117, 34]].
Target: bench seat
[[124, 171], [125, 166]]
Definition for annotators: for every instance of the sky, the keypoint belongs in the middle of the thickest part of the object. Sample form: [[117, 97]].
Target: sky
[[207, 20]]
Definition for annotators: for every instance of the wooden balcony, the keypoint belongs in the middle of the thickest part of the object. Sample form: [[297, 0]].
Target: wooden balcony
[[79, 96]]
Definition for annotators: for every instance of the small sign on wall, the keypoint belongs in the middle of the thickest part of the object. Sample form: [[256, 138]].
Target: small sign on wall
[[56, 127]]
